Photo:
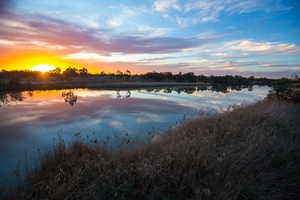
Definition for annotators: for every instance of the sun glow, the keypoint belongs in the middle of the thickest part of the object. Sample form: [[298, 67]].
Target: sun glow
[[42, 67]]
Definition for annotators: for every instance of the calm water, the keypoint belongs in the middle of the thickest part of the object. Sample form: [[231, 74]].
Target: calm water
[[32, 121]]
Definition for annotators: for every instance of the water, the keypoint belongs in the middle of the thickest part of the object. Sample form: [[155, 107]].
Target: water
[[32, 121]]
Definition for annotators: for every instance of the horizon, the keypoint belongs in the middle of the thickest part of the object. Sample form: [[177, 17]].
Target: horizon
[[247, 38]]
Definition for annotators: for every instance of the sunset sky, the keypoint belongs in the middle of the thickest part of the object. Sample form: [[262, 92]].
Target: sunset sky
[[219, 37]]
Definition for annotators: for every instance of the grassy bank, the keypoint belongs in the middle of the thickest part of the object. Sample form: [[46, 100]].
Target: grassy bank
[[252, 152]]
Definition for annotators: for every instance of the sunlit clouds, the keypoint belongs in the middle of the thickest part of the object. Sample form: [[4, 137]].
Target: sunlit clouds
[[271, 47], [206, 37]]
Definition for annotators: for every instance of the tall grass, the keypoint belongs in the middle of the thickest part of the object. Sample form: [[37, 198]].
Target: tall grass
[[252, 152]]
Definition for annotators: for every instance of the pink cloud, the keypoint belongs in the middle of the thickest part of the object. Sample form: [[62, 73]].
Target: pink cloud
[[39, 29]]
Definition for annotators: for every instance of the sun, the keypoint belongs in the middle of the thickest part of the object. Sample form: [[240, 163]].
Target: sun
[[42, 68]]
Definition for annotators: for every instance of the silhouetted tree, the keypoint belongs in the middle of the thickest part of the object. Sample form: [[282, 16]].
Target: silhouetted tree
[[128, 72], [119, 72], [83, 71], [189, 77], [55, 72], [70, 73]]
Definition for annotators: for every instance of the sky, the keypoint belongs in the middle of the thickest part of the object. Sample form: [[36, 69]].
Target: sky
[[209, 37]]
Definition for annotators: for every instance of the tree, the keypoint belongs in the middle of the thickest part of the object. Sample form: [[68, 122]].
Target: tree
[[189, 77], [281, 89], [119, 72], [56, 71], [252, 79], [83, 71], [70, 72], [128, 72]]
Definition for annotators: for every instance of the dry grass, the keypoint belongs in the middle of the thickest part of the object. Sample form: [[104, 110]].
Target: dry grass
[[252, 152]]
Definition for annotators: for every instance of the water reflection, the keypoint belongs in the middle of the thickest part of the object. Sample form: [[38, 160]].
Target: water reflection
[[191, 90], [179, 90], [41, 115], [71, 98]]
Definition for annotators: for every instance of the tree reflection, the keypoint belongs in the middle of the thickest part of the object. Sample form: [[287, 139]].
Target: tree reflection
[[225, 89], [69, 97], [13, 97], [168, 90], [118, 94], [127, 95], [219, 88], [189, 90], [250, 88]]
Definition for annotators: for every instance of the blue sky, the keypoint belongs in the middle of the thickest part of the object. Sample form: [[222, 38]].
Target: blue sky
[[224, 37]]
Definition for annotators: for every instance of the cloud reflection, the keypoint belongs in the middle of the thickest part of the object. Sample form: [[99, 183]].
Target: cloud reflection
[[88, 108], [102, 107]]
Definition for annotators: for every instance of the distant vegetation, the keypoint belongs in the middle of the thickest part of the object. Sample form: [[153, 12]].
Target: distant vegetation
[[16, 80], [251, 152]]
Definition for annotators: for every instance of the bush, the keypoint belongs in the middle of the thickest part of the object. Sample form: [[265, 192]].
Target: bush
[[281, 89]]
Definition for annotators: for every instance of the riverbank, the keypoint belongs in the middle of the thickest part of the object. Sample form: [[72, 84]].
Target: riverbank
[[252, 152]]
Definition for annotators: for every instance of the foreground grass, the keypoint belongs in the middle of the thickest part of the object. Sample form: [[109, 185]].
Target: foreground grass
[[252, 152]]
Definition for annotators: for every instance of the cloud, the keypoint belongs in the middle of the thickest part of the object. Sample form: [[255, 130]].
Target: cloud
[[148, 31], [209, 35], [164, 58], [266, 48], [114, 22], [238, 49], [246, 45], [39, 31], [164, 5], [203, 11], [92, 57], [158, 45], [125, 14]]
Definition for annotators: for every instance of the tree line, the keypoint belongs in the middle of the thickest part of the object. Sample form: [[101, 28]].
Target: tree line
[[13, 78]]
